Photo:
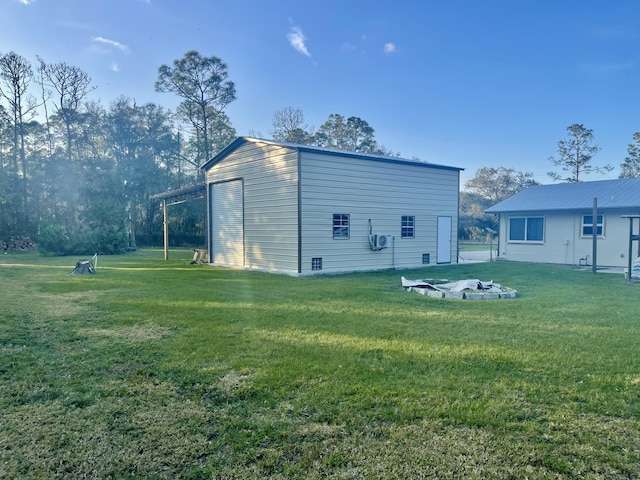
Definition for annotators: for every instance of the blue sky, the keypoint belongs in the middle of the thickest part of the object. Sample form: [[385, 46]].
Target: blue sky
[[467, 83]]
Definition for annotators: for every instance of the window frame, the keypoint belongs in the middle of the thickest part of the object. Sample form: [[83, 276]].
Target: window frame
[[410, 226], [341, 226], [526, 230], [599, 225]]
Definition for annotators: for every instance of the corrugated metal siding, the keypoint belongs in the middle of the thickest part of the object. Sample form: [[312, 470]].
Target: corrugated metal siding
[[378, 191], [269, 174]]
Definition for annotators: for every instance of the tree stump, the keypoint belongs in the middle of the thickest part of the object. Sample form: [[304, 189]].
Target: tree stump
[[83, 268]]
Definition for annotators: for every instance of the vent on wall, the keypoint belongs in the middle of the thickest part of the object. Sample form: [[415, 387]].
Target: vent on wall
[[316, 263], [426, 258]]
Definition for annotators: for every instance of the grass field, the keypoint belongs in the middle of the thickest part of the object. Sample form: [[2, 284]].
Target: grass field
[[477, 246], [167, 370]]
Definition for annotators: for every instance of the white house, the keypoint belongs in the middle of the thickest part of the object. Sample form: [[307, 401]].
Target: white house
[[304, 210], [554, 223]]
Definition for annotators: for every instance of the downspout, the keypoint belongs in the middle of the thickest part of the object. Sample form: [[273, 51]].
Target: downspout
[[457, 225], [208, 221], [499, 235], [393, 252]]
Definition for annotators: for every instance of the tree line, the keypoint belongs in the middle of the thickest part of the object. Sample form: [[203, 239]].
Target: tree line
[[77, 176], [491, 185]]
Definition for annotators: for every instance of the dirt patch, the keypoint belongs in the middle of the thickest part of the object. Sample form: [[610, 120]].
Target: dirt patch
[[134, 333]]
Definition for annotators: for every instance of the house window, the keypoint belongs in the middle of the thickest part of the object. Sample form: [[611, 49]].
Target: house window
[[316, 263], [340, 226], [426, 258], [526, 229], [408, 229], [587, 225]]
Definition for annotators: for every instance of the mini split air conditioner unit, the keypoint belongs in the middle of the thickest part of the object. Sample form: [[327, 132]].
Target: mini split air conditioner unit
[[378, 242]]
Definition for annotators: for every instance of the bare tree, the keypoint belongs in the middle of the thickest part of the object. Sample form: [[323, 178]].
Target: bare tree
[[70, 85], [15, 76], [288, 126]]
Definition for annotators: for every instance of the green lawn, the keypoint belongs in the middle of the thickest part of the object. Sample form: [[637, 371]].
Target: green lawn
[[167, 370], [477, 246]]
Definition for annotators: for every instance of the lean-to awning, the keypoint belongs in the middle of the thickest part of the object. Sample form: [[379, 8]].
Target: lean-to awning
[[174, 197]]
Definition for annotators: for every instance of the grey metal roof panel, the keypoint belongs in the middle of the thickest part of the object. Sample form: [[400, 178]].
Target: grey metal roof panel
[[332, 151], [620, 193]]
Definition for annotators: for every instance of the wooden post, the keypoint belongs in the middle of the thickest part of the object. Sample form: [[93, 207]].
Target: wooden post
[[165, 232], [594, 262]]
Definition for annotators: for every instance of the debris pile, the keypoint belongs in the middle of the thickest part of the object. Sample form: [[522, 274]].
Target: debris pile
[[471, 289], [17, 244]]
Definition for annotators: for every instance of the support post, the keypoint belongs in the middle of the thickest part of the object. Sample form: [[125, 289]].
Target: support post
[[594, 255], [630, 260], [165, 229], [490, 248]]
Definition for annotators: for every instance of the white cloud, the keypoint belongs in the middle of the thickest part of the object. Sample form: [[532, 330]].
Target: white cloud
[[389, 47], [27, 2], [296, 39], [115, 67], [112, 43]]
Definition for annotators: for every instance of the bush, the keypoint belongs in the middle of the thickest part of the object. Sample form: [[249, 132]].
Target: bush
[[60, 240], [55, 240]]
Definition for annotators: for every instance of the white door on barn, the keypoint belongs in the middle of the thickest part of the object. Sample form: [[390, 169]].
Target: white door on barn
[[444, 240], [227, 224]]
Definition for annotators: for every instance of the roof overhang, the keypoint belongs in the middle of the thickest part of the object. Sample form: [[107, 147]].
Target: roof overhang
[[322, 150], [180, 195]]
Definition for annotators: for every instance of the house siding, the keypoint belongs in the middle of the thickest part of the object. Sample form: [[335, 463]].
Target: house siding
[[270, 181], [380, 192], [563, 243]]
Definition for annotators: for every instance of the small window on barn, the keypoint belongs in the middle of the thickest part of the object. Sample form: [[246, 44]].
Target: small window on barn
[[587, 225], [316, 263], [408, 228], [340, 226], [426, 259], [526, 229]]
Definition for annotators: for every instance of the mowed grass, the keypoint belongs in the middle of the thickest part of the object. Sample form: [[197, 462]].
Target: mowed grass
[[161, 369], [476, 246]]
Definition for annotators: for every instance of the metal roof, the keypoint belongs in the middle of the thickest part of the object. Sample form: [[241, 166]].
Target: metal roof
[[331, 151], [184, 194], [621, 193]]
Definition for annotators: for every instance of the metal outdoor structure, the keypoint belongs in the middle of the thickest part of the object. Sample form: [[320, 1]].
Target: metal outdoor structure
[[632, 237], [174, 197]]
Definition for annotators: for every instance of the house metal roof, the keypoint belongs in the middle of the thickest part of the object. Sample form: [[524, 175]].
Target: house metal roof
[[621, 193], [311, 148]]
